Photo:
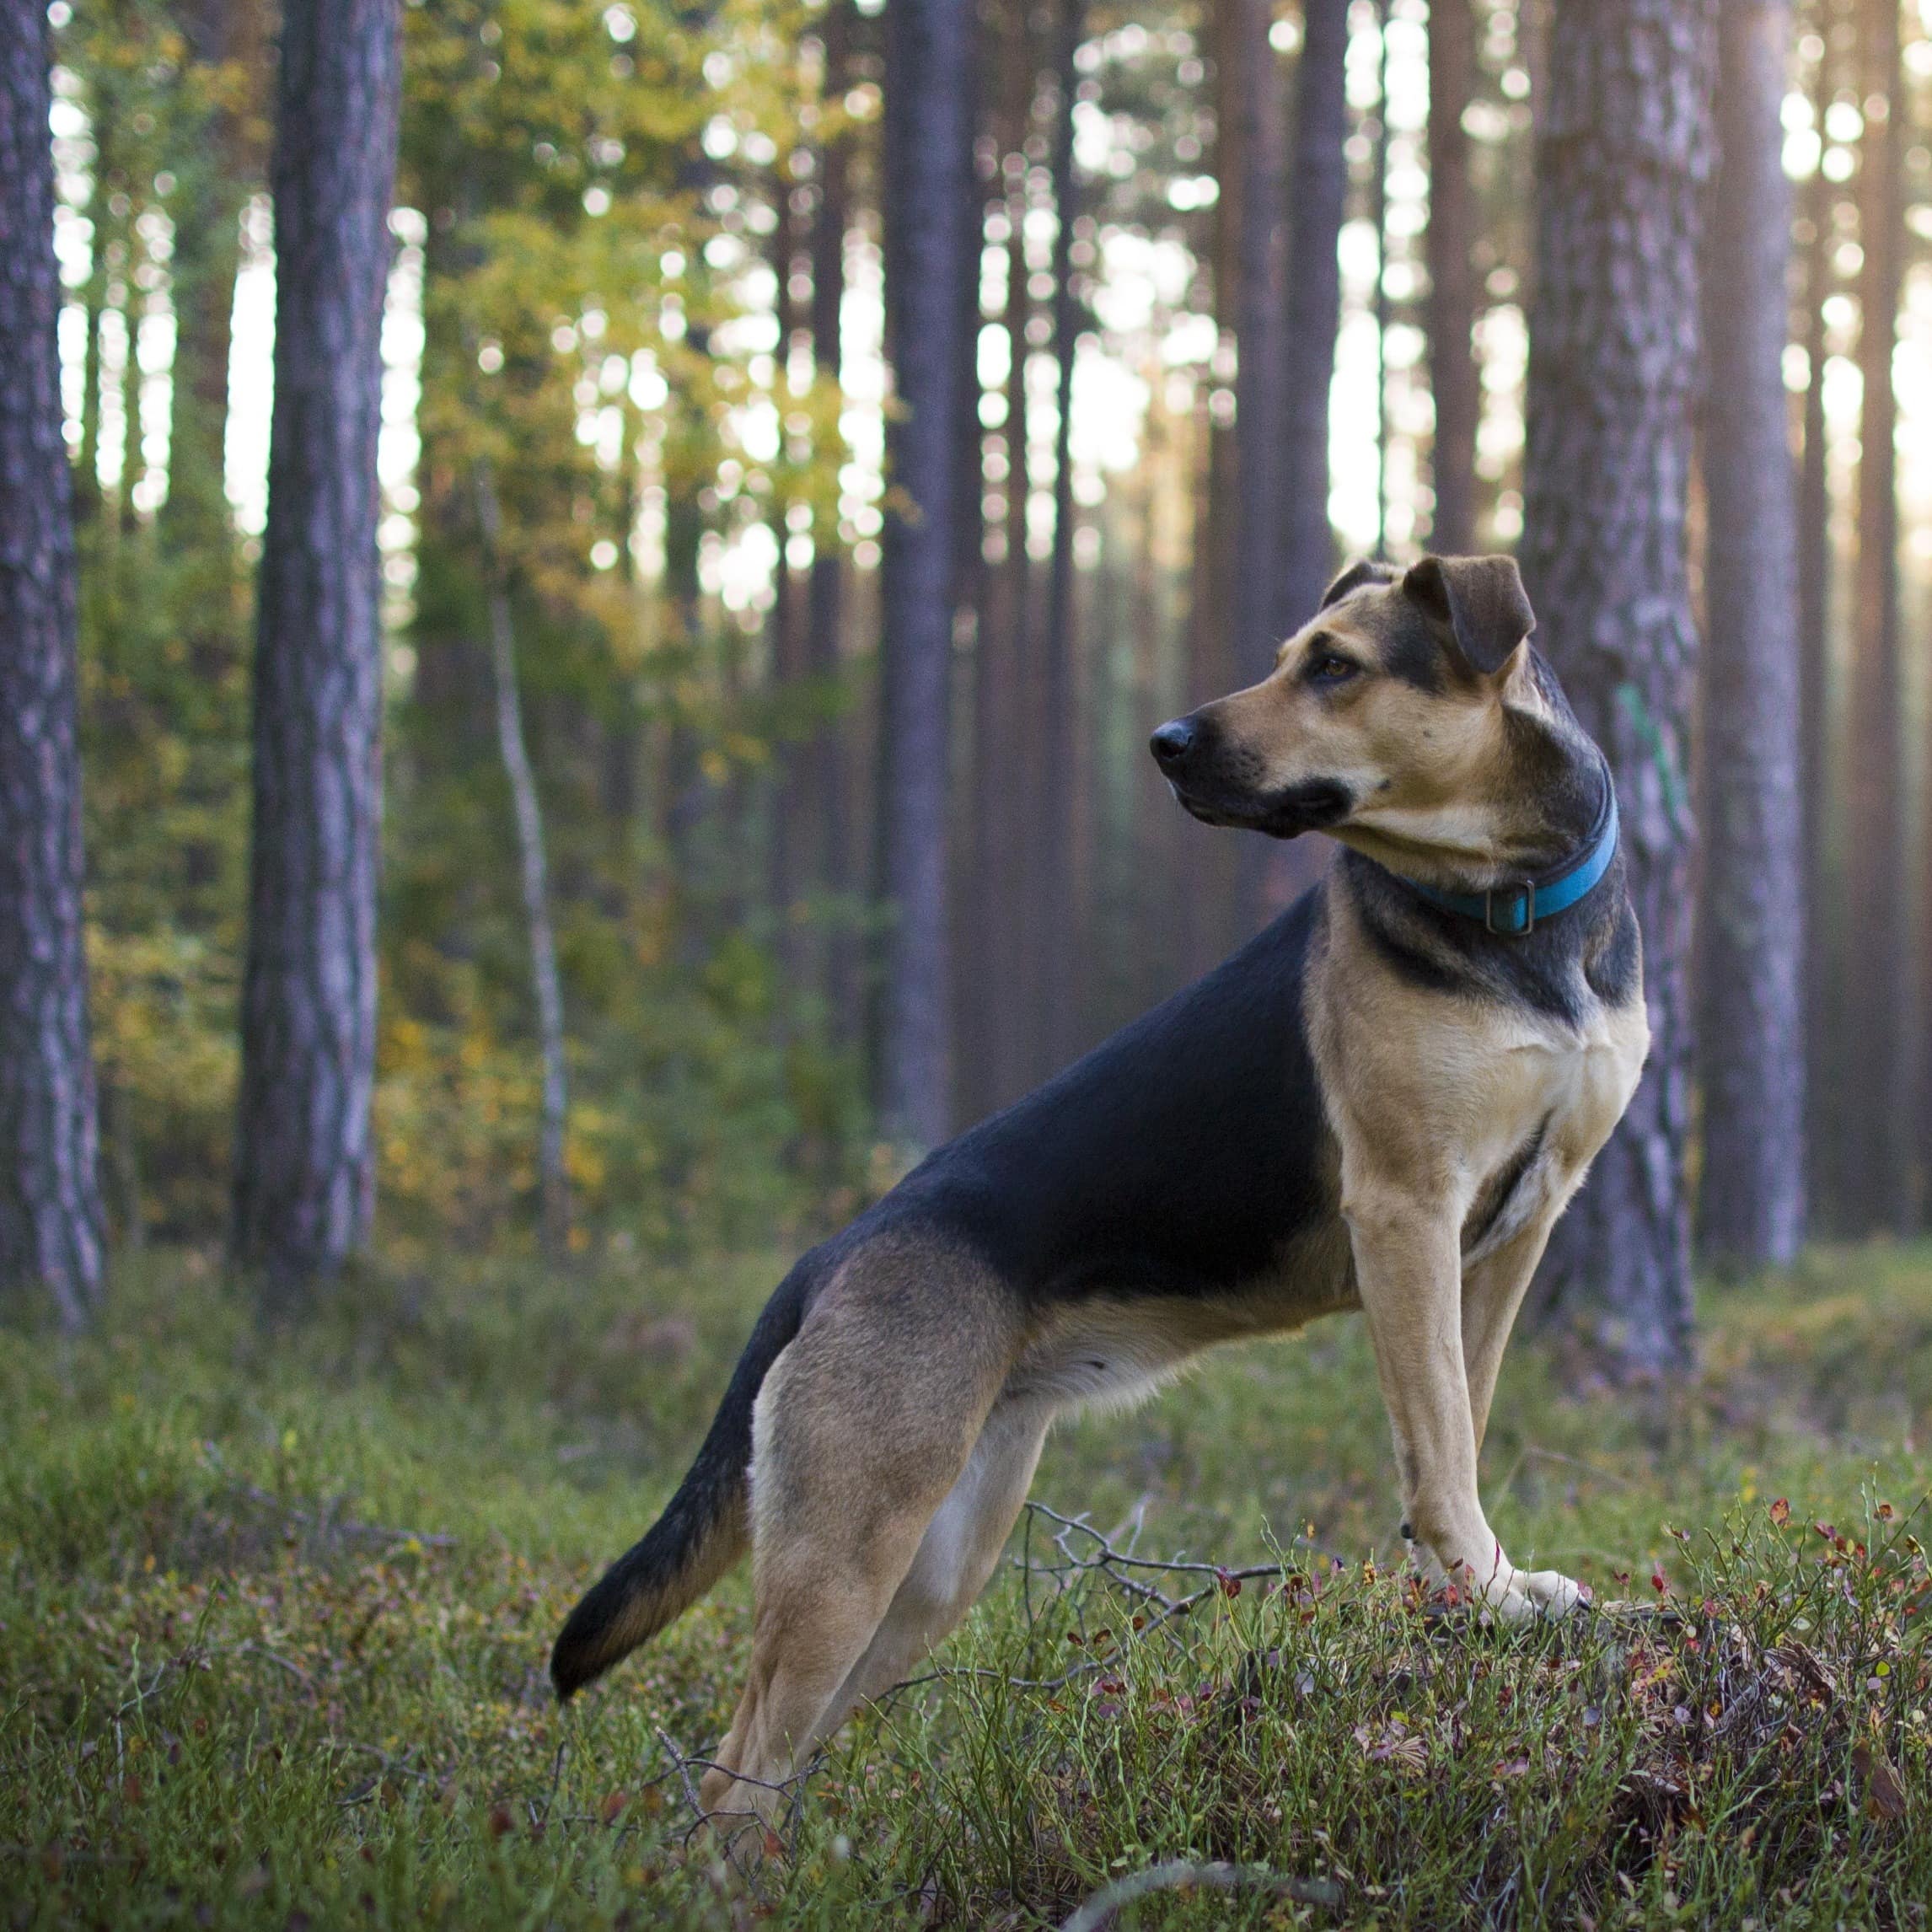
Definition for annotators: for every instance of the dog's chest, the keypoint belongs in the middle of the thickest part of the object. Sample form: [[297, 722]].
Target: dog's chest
[[1558, 1094]]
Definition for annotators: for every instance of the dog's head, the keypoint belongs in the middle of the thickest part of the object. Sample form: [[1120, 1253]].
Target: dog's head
[[1383, 719]]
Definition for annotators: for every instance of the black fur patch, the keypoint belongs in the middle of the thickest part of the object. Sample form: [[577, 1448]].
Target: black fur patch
[[1500, 1185], [1177, 1159], [1226, 797], [1615, 964], [1413, 652], [1365, 571], [1306, 807], [1551, 971]]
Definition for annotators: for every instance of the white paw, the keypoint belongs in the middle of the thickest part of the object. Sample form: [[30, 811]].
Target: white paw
[[1517, 1595], [1554, 1594], [1511, 1595]]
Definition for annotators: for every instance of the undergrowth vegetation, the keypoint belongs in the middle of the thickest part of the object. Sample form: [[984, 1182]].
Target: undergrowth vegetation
[[275, 1609]]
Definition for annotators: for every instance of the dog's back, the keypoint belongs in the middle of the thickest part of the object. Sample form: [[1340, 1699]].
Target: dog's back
[[1181, 1159]]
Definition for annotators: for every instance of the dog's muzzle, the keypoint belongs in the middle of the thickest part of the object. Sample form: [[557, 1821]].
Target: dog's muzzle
[[1211, 782]]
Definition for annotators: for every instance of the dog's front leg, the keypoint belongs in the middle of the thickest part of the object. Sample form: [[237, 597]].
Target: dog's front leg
[[1492, 1291], [1408, 1271]]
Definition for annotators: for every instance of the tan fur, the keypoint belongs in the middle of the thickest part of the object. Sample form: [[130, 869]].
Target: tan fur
[[844, 1492], [1427, 1104], [894, 1438], [1438, 771]]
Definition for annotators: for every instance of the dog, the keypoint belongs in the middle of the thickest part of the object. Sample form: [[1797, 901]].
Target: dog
[[1384, 1101]]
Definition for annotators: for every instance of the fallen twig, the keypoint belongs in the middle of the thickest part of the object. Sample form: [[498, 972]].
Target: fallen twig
[[322, 1518], [249, 1648], [791, 1788], [1217, 1875]]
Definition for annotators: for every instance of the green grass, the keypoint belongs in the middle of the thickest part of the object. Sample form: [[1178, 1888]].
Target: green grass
[[275, 1609]]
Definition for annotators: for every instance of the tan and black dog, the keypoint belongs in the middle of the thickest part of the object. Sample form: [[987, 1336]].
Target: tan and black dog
[[1383, 1101]]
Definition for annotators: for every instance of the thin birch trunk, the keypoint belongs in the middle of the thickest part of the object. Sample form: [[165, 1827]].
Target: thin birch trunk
[[534, 876]]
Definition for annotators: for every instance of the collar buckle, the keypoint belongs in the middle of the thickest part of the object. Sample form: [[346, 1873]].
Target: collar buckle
[[1524, 891]]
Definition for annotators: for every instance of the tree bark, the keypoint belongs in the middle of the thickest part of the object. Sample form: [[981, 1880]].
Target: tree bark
[[1877, 1128], [1823, 1038], [1750, 1020], [1260, 334], [533, 876], [928, 152], [1317, 189], [224, 39], [51, 1218], [1052, 942], [1261, 325], [789, 793], [995, 1056], [1449, 241], [1622, 158], [1378, 206], [831, 779], [304, 1156]]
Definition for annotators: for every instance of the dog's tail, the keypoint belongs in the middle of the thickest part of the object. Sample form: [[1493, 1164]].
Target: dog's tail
[[704, 1529]]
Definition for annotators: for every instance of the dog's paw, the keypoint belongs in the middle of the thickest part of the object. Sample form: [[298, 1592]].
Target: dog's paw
[[1517, 1595], [1553, 1593], [1509, 1595]]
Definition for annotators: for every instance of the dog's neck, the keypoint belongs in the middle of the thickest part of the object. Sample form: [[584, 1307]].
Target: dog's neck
[[1547, 802]]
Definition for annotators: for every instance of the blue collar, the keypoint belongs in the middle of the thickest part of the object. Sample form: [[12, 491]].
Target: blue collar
[[1517, 908]]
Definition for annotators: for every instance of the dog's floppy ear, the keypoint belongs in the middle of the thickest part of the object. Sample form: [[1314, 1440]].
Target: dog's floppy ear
[[1480, 601], [1366, 570]]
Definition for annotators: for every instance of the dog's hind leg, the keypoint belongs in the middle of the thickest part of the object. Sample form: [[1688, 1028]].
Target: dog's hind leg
[[863, 1427], [957, 1554]]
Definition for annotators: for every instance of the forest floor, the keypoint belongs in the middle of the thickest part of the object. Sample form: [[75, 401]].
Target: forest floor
[[274, 1610]]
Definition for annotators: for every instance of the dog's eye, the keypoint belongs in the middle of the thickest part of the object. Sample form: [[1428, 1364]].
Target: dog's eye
[[1331, 667]]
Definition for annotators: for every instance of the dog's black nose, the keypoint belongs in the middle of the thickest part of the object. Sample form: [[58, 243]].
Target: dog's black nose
[[1173, 742]]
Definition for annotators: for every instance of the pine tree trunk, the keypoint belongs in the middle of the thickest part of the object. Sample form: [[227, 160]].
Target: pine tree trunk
[[223, 36], [1261, 325], [51, 1216], [831, 783], [1450, 239], [533, 870], [1003, 1065], [1207, 882], [1317, 189], [1877, 1128], [927, 151], [1823, 1037], [790, 790], [1623, 157], [1054, 942], [1260, 334], [1750, 1020], [1378, 207], [304, 1157]]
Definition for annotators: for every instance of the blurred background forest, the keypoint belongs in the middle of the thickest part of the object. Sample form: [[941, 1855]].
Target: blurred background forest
[[1215, 297]]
